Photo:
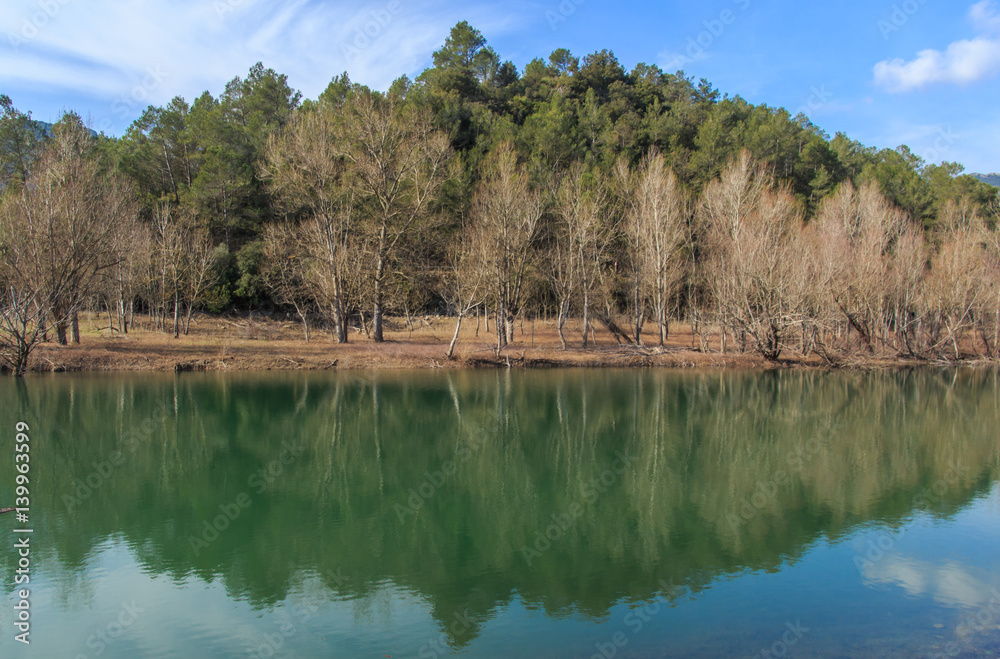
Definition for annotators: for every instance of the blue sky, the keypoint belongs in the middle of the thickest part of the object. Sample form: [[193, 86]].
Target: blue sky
[[886, 72]]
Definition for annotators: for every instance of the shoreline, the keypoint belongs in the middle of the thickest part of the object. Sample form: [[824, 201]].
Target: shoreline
[[220, 344]]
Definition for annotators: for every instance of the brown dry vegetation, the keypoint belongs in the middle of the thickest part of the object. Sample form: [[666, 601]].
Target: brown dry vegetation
[[265, 344]]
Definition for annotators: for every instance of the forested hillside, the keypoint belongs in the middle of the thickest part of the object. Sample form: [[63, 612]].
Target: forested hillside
[[990, 179], [574, 187]]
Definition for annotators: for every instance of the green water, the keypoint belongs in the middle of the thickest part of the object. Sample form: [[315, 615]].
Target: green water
[[495, 514]]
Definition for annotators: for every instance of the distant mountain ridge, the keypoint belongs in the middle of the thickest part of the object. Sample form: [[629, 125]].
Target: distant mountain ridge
[[45, 128], [990, 179]]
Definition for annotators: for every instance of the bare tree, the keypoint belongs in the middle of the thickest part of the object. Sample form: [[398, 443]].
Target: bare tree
[[25, 298], [753, 239], [580, 240], [333, 268], [71, 214], [397, 162], [304, 168], [200, 270], [125, 282], [956, 292], [658, 219], [285, 270], [859, 231], [464, 281], [509, 211]]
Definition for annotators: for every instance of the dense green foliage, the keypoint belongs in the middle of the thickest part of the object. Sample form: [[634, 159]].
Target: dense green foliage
[[205, 155], [704, 446], [209, 168]]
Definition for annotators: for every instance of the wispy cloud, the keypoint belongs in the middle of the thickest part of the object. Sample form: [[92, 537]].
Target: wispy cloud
[[963, 62], [105, 48]]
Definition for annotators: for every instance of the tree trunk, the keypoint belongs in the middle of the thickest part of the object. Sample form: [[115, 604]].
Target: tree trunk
[[379, 274], [639, 314], [62, 332], [586, 316], [74, 328], [177, 316], [339, 322], [454, 338], [561, 321], [501, 330], [305, 321]]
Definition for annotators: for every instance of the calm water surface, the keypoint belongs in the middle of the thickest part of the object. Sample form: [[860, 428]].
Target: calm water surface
[[496, 514]]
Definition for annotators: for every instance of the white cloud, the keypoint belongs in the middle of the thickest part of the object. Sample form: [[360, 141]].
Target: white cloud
[[963, 62], [105, 49]]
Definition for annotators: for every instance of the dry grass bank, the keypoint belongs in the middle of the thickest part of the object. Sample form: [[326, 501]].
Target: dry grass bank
[[240, 344]]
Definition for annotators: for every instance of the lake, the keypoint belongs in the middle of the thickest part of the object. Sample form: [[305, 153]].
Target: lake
[[593, 514]]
